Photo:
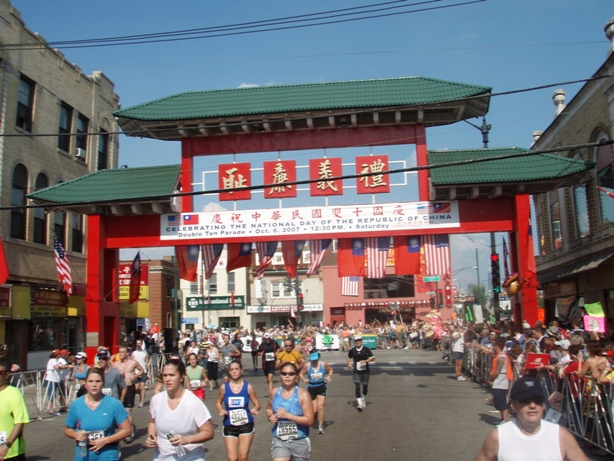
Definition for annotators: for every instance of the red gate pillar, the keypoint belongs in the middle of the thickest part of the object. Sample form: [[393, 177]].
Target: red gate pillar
[[527, 297], [102, 308], [424, 176], [187, 170]]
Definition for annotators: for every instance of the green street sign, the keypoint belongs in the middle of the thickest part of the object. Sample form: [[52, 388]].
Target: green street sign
[[431, 278], [197, 303]]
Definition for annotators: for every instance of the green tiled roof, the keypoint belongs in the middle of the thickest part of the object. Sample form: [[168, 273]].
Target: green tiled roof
[[517, 169], [389, 92], [129, 184]]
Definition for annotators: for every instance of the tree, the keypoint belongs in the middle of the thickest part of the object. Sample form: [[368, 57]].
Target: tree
[[479, 294]]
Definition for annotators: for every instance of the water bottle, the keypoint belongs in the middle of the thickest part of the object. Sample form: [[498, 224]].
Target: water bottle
[[179, 450], [82, 444]]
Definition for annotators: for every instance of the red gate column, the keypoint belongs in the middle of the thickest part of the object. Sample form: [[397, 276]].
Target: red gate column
[[526, 263], [187, 170], [424, 176]]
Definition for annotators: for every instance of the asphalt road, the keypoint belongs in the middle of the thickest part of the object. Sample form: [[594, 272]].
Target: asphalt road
[[416, 409]]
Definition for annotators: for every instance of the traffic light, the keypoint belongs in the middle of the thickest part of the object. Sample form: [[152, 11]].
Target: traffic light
[[301, 306], [496, 274], [440, 298]]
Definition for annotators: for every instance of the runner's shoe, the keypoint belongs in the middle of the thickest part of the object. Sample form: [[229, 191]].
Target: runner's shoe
[[461, 378], [321, 430], [141, 405], [363, 403]]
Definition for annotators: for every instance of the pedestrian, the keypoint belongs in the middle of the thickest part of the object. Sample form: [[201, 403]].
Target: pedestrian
[[13, 417], [501, 377], [213, 357], [96, 421], [290, 411], [233, 405], [317, 375], [180, 423], [79, 373], [358, 360], [458, 350], [197, 376], [269, 352], [52, 382], [529, 436], [142, 357]]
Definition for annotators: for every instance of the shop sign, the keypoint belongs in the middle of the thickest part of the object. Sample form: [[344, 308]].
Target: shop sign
[[5, 302], [189, 320], [49, 303], [128, 311], [283, 308], [197, 303], [125, 273], [558, 289], [124, 292]]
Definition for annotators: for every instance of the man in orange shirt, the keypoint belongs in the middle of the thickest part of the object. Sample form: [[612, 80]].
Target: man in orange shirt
[[289, 355]]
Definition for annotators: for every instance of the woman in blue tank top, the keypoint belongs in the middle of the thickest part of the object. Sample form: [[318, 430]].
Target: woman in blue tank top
[[317, 375], [233, 404], [79, 372], [290, 410]]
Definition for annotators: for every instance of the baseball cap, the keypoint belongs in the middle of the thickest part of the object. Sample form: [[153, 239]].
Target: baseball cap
[[81, 355], [103, 355], [266, 335], [563, 343], [56, 352], [314, 356], [526, 388], [64, 352], [357, 338]]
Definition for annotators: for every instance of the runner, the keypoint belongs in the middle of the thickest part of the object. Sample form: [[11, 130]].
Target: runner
[[130, 370], [235, 396], [213, 356], [229, 352], [289, 355], [197, 376], [361, 356], [140, 355], [113, 384], [269, 350], [319, 375], [13, 417], [256, 351], [289, 408]]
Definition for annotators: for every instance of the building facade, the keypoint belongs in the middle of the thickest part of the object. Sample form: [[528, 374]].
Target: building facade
[[576, 224], [44, 94]]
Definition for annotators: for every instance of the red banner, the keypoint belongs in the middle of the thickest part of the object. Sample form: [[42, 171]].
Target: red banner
[[233, 175], [324, 168], [376, 183], [277, 173], [124, 274]]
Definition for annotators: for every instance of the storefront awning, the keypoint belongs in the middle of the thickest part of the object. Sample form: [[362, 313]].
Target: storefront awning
[[574, 268]]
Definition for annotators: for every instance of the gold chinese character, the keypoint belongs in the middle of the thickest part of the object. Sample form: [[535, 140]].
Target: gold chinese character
[[231, 182], [375, 180], [280, 176], [325, 172]]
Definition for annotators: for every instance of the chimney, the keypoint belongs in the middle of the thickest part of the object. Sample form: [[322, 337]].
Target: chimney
[[536, 136], [609, 33], [558, 98]]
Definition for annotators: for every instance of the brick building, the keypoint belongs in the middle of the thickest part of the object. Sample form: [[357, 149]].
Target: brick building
[[42, 93]]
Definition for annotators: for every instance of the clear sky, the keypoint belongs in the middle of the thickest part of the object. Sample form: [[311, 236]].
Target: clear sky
[[507, 45]]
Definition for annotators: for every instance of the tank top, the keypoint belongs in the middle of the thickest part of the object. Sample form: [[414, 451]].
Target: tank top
[[237, 406], [81, 375], [502, 380], [516, 446], [269, 351], [212, 355], [225, 357], [195, 375], [316, 376], [285, 429]]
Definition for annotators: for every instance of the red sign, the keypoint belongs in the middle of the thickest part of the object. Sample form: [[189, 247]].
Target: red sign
[[277, 173], [49, 298], [324, 168], [124, 274], [536, 361], [376, 183], [234, 175]]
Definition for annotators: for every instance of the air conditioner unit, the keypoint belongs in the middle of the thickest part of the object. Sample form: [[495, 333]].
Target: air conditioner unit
[[80, 153]]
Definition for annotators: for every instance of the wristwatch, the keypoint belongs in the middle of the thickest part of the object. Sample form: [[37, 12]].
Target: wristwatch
[[8, 444]]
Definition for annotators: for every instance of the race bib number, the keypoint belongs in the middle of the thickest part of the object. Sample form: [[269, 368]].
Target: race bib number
[[195, 384], [361, 366], [3, 437], [287, 430], [238, 417], [107, 391], [227, 360], [269, 356], [77, 386], [94, 435], [316, 376]]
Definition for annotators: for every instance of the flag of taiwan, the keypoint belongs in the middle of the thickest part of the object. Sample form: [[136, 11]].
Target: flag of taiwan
[[190, 219]]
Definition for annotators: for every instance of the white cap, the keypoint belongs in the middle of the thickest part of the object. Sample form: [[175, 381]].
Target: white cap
[[357, 337], [563, 343], [266, 335]]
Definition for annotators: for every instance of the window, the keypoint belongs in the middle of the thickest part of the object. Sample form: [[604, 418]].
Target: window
[[18, 199], [397, 286], [605, 179], [65, 127], [103, 150], [59, 227], [193, 288], [83, 124], [41, 335], [555, 219], [230, 283], [212, 283], [276, 290], [229, 323], [77, 233], [40, 217], [25, 104]]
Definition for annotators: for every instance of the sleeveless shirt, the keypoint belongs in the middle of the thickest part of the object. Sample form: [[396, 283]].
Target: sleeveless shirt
[[292, 405], [316, 376], [237, 406], [516, 446]]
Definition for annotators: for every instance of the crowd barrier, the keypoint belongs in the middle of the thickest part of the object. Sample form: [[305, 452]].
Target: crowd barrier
[[581, 405]]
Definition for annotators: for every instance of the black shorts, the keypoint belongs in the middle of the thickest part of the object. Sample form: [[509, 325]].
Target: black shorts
[[236, 431], [317, 390], [269, 368], [499, 398], [129, 397], [141, 379]]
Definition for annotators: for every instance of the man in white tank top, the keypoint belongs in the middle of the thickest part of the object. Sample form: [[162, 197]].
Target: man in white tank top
[[529, 436]]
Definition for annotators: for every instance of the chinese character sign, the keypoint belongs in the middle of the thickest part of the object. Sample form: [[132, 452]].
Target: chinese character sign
[[234, 175], [277, 173], [375, 183], [324, 169]]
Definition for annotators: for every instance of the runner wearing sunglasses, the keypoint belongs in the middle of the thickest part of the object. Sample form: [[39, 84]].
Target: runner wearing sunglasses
[[529, 436], [290, 410]]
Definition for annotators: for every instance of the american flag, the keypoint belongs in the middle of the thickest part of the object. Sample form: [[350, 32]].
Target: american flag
[[377, 253], [318, 251], [437, 250], [349, 286], [211, 255], [61, 264], [266, 251]]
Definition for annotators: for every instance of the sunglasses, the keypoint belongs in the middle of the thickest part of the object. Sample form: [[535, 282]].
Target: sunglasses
[[537, 400], [288, 373]]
